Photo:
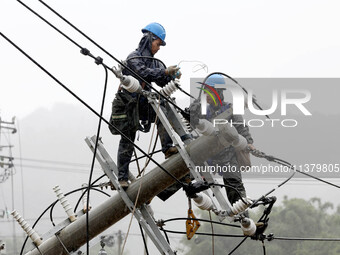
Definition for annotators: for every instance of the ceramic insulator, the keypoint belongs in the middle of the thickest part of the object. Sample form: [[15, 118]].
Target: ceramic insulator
[[168, 89], [203, 202], [64, 203], [26, 227], [84, 199]]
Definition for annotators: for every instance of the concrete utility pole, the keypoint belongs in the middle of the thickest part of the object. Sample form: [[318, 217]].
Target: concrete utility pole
[[111, 211]]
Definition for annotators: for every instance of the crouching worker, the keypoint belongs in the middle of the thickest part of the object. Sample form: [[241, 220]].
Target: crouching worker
[[128, 109], [229, 156]]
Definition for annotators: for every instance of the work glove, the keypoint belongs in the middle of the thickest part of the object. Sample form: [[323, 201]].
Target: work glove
[[173, 71]]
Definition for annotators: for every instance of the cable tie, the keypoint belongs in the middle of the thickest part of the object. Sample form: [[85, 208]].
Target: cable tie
[[98, 60], [270, 237], [84, 51], [160, 223]]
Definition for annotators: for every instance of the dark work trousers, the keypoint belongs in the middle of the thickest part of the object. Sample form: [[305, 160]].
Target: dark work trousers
[[237, 187], [125, 150]]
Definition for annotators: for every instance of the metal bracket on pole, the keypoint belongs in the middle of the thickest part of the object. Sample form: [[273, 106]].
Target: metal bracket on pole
[[57, 228], [62, 244], [221, 205], [142, 214]]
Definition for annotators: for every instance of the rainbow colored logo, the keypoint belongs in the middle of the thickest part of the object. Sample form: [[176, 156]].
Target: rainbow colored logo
[[210, 94]]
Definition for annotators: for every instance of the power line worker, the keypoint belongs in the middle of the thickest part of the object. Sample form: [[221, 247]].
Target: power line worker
[[229, 156], [142, 62]]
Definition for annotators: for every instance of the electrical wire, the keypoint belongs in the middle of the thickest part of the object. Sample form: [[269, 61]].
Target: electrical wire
[[52, 162], [203, 234], [43, 213], [57, 169], [91, 109], [237, 246], [137, 162], [87, 37], [93, 161], [203, 220], [287, 164], [279, 161], [271, 191], [176, 84], [262, 197], [144, 241], [231, 78], [166, 236], [260, 154], [67, 195], [97, 60], [52, 208], [150, 85], [31, 10], [229, 186], [306, 239], [148, 161], [201, 64], [92, 185], [212, 236], [264, 248], [87, 53], [141, 181], [31, 219], [145, 156]]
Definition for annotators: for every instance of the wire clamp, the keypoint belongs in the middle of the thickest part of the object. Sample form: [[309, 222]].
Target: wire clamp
[[270, 237], [192, 224], [98, 60], [84, 51], [160, 223]]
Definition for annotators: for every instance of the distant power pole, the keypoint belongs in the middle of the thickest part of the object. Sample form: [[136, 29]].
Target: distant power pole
[[8, 167], [10, 127], [120, 241]]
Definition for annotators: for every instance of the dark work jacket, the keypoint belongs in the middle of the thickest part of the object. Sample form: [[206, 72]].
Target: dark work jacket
[[150, 70]]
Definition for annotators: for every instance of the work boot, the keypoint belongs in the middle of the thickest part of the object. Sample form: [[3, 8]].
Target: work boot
[[171, 151], [124, 184]]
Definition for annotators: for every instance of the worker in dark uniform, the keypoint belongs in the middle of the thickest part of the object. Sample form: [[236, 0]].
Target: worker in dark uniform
[[142, 62], [227, 157]]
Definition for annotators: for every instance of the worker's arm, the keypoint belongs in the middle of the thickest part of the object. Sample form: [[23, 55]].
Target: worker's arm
[[155, 74]]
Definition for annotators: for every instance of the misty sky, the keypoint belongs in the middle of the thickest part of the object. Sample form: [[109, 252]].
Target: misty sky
[[243, 39]]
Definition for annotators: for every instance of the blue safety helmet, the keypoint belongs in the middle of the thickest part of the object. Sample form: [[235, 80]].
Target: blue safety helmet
[[157, 29], [215, 79]]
